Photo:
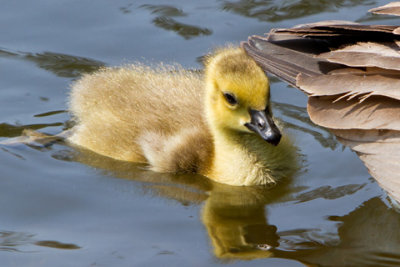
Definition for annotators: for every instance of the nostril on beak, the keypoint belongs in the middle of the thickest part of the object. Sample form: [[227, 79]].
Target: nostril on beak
[[261, 124]]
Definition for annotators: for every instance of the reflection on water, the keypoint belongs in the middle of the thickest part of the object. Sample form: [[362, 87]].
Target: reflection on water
[[236, 218], [186, 188], [64, 65], [367, 236], [270, 10], [164, 19], [21, 242], [9, 130], [60, 64], [11, 241], [50, 113], [165, 10], [185, 30], [237, 224], [56, 244], [327, 192]]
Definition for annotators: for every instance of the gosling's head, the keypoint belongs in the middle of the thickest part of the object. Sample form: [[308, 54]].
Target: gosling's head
[[238, 95]]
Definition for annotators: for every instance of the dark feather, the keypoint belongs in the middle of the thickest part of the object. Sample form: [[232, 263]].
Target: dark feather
[[351, 73]]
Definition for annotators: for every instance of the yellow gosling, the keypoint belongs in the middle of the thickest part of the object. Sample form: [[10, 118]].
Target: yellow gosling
[[218, 124]]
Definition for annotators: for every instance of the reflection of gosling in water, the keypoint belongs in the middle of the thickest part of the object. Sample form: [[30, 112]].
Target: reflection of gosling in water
[[236, 221], [218, 125]]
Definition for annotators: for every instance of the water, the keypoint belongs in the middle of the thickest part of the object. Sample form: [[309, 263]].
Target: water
[[64, 207]]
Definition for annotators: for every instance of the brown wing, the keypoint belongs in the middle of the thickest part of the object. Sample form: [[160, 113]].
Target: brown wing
[[351, 73]]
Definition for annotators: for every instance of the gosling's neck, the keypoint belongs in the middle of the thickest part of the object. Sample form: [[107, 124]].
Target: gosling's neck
[[240, 158]]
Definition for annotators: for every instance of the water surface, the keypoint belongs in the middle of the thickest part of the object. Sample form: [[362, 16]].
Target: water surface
[[64, 207]]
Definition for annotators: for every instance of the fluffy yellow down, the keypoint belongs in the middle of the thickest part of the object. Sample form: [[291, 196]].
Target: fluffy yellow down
[[177, 120]]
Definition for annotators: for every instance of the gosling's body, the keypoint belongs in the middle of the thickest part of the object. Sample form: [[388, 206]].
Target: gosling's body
[[175, 120], [140, 114]]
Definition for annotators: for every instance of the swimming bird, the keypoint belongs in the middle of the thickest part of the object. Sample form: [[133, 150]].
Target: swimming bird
[[351, 74], [218, 124]]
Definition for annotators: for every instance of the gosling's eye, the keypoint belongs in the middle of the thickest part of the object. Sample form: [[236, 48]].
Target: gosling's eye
[[231, 99]]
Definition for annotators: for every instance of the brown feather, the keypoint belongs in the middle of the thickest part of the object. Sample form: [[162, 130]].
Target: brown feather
[[357, 85], [351, 73], [366, 54], [374, 113]]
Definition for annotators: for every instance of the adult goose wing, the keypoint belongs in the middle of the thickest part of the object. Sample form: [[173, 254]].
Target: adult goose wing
[[351, 74]]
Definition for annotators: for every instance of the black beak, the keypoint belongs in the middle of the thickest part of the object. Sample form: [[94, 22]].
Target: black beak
[[262, 123]]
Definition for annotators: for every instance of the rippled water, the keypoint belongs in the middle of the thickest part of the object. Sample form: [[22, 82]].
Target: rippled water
[[65, 207]]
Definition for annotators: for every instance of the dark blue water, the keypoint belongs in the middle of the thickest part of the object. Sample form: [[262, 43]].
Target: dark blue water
[[64, 207]]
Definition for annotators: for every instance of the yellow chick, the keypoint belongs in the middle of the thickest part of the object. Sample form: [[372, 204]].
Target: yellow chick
[[218, 124]]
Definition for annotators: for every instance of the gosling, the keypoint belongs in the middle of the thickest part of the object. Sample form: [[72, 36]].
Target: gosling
[[218, 124]]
